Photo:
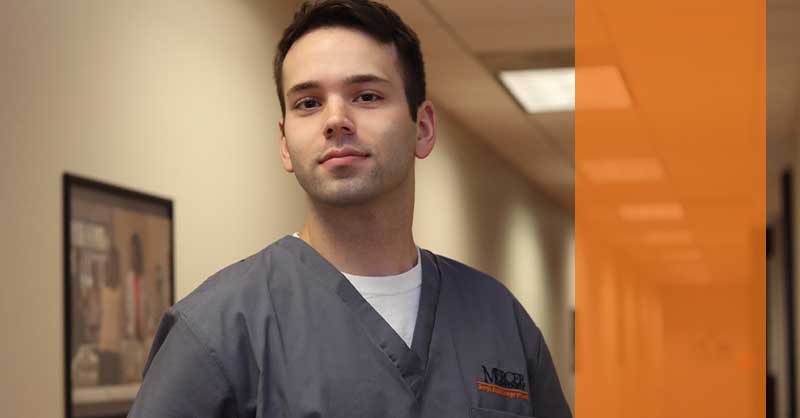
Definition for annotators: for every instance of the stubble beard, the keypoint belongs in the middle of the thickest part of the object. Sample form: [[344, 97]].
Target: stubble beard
[[349, 186]]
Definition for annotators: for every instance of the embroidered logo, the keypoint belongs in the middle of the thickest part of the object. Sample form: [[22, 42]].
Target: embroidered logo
[[503, 383]]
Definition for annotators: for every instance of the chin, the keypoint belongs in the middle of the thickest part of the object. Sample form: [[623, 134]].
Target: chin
[[357, 189], [348, 197], [344, 192]]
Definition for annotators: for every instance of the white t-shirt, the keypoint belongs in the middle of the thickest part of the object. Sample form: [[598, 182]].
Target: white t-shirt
[[395, 298]]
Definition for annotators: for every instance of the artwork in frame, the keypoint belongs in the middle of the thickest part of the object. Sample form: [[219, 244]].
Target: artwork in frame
[[119, 281]]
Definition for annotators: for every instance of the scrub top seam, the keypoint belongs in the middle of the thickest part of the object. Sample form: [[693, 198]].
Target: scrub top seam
[[520, 315], [435, 322], [337, 296], [280, 337], [467, 388], [211, 354], [540, 341], [384, 354]]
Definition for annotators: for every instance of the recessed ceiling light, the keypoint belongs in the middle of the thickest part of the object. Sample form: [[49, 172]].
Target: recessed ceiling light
[[678, 237], [542, 90], [602, 88], [629, 170], [682, 255], [651, 212], [687, 273]]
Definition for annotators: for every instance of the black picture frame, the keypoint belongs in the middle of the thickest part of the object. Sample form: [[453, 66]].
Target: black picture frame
[[787, 227], [119, 278]]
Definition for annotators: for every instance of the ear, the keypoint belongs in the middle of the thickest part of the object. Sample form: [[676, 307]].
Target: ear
[[285, 159], [426, 129]]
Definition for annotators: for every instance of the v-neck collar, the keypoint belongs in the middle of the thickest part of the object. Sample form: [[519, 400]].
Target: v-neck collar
[[410, 362]]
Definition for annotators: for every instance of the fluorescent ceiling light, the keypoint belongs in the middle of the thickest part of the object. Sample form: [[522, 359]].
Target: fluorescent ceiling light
[[668, 237], [602, 88], [543, 90], [651, 212], [682, 255], [631, 170], [553, 89], [687, 273]]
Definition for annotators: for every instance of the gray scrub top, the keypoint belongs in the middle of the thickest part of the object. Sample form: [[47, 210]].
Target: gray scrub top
[[284, 334]]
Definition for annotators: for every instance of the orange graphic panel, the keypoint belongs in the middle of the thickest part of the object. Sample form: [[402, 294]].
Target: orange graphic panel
[[670, 208]]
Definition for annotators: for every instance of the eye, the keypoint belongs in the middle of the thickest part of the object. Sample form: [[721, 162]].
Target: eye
[[368, 98], [306, 104]]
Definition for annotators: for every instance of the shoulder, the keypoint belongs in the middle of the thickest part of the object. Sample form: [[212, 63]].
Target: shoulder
[[229, 314], [487, 305], [228, 285], [473, 283], [236, 296], [209, 339]]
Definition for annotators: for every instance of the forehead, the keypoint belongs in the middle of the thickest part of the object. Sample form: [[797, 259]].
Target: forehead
[[332, 54]]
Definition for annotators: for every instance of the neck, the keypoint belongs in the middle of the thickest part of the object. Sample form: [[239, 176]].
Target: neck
[[374, 239]]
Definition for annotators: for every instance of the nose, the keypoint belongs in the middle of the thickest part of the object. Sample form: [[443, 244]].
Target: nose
[[339, 122]]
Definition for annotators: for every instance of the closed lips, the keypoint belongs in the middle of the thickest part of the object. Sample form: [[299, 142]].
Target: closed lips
[[343, 152]]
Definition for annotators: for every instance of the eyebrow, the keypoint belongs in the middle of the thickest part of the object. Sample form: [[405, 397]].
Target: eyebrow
[[350, 80]]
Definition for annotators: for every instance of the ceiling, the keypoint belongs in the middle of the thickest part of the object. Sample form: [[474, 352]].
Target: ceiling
[[465, 46], [706, 227]]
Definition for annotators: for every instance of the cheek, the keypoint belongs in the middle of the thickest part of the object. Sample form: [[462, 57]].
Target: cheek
[[393, 133], [403, 140], [299, 138]]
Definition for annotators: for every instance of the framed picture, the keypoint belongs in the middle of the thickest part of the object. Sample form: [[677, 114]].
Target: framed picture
[[118, 282]]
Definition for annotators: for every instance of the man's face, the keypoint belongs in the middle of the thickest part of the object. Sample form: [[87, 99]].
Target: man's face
[[347, 134]]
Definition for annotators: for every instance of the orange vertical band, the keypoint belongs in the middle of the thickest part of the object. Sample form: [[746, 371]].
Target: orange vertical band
[[670, 208]]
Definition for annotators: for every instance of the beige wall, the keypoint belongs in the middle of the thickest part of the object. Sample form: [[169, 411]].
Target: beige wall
[[176, 99]]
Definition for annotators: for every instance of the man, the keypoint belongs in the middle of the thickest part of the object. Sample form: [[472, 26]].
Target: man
[[349, 318]]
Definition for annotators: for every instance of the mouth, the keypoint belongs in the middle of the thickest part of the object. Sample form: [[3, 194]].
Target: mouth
[[342, 156]]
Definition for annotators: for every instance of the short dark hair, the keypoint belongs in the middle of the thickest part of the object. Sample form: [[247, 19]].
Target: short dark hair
[[373, 19]]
